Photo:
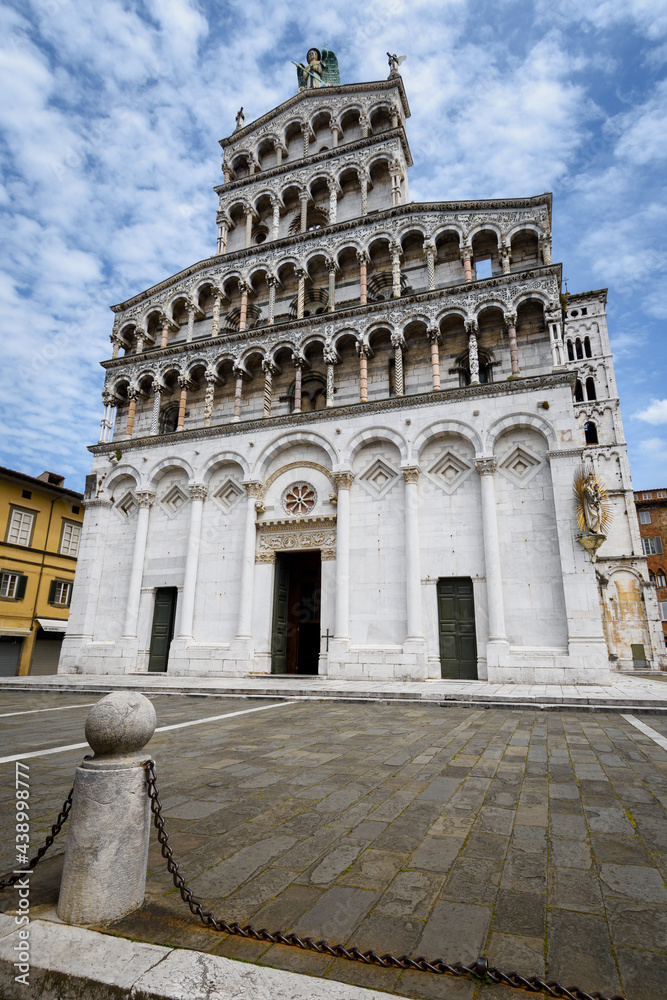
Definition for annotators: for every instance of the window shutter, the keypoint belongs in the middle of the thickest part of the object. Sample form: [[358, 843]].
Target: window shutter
[[20, 587], [52, 592]]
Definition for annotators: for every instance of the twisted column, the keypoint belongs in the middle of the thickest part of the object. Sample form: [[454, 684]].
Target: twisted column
[[269, 370], [412, 560], [510, 324], [197, 493], [275, 223], [301, 292], [363, 351], [331, 268], [157, 400], [486, 468], [433, 334], [473, 353], [305, 133], [272, 282], [430, 251], [395, 249], [255, 494], [343, 482], [303, 202], [145, 501], [398, 343], [363, 182]]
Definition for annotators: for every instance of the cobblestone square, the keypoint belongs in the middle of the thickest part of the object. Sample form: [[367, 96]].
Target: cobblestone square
[[535, 838]]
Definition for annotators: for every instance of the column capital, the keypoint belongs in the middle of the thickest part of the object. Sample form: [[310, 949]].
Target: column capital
[[343, 480], [184, 381], [411, 473], [304, 195], [272, 280], [471, 327], [332, 266], [362, 257], [395, 249], [255, 489], [398, 340], [486, 466], [299, 360], [145, 498], [108, 397], [269, 367], [466, 251], [197, 491], [330, 355], [429, 246], [133, 392], [300, 272], [363, 350], [433, 334], [510, 319]]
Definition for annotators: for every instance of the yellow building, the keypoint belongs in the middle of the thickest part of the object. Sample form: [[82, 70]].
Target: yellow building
[[40, 528]]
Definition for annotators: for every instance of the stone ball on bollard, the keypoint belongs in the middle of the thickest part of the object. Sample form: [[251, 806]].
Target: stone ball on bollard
[[120, 723]]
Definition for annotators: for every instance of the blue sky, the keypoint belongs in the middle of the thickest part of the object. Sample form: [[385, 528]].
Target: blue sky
[[109, 154]]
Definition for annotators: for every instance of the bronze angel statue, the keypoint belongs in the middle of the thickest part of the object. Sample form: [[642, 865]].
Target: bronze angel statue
[[321, 70]]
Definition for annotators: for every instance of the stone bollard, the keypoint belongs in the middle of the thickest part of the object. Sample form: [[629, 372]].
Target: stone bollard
[[104, 876]]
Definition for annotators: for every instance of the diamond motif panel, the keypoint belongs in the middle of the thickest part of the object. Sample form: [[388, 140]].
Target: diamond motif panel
[[378, 478], [228, 495], [520, 466], [127, 506], [173, 500], [449, 471]]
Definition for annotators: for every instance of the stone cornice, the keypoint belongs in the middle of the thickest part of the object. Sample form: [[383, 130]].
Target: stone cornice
[[314, 94], [318, 522], [329, 155], [354, 410], [373, 311], [412, 208]]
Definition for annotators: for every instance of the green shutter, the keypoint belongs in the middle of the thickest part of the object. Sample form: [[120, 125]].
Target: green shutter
[[52, 592], [20, 587]]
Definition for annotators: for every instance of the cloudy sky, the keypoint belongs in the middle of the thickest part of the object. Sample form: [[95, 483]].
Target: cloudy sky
[[109, 155]]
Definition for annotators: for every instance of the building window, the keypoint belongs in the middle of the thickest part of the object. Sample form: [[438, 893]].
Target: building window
[[587, 347], [570, 351], [76, 510], [590, 388], [661, 494], [69, 543], [60, 593], [644, 516], [12, 586], [590, 433], [27, 494], [19, 531], [660, 580], [652, 546], [647, 496], [663, 611]]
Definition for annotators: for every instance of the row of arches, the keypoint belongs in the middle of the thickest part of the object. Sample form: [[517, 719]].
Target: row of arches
[[299, 135], [354, 273], [578, 348]]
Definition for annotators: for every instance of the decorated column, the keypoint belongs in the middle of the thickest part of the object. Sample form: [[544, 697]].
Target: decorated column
[[473, 353], [158, 389], [223, 230], [398, 343], [145, 501], [269, 370], [363, 350], [510, 323], [197, 493], [211, 381], [301, 292], [363, 182], [545, 247], [395, 250], [255, 494], [365, 125], [215, 319], [299, 364], [412, 560], [433, 334], [486, 468], [431, 253], [505, 258], [330, 358], [303, 202], [331, 268], [343, 482], [333, 201], [272, 282], [275, 222], [305, 134]]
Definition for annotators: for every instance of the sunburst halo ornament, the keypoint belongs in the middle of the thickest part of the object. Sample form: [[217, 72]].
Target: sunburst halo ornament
[[592, 499]]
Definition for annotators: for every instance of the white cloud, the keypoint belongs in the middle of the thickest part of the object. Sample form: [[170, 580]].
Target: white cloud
[[655, 413]]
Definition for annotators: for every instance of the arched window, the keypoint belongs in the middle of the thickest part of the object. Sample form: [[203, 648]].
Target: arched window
[[169, 418], [580, 349], [590, 389], [591, 433], [578, 392], [462, 369], [570, 351], [587, 347]]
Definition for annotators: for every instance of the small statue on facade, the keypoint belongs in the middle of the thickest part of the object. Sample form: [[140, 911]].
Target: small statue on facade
[[394, 62], [592, 503], [593, 509], [321, 70], [240, 119]]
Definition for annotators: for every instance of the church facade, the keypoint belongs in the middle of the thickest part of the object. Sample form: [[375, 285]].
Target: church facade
[[345, 444]]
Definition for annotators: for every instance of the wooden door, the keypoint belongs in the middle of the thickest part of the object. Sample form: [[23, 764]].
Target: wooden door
[[163, 628], [280, 605], [456, 623]]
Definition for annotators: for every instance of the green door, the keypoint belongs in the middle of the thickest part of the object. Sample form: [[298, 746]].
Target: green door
[[456, 623], [280, 615], [163, 628]]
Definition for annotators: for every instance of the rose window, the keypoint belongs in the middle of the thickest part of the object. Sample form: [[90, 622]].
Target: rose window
[[299, 499]]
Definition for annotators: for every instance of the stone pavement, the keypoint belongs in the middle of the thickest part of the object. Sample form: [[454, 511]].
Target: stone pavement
[[536, 838], [627, 690]]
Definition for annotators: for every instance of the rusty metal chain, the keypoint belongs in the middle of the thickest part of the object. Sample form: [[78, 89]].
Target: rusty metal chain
[[479, 969], [11, 879]]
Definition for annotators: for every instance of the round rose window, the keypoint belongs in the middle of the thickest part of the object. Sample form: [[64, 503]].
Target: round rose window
[[299, 499]]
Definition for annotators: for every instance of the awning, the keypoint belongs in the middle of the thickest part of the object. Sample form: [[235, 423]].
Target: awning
[[53, 624], [11, 630]]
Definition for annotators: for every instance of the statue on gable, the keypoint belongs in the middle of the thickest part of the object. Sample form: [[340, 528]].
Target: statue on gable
[[320, 70]]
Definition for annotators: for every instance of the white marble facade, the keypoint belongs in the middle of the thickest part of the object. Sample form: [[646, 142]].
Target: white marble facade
[[430, 411]]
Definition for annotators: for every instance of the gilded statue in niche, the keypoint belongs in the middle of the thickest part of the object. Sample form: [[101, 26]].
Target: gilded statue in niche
[[593, 509]]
